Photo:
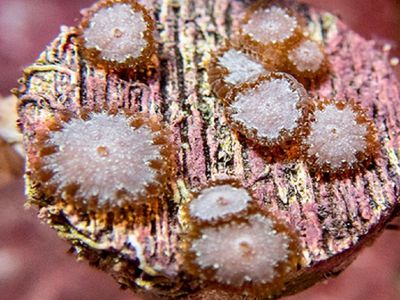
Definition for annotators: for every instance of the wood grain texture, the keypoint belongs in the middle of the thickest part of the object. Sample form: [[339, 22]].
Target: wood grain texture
[[334, 219]]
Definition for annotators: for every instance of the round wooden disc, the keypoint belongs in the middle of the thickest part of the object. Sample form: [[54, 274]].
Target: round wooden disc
[[334, 219]]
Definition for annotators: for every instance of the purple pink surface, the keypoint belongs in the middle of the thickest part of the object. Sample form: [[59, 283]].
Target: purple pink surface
[[33, 262]]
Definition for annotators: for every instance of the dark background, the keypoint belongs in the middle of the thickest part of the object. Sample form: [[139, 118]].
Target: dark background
[[33, 260]]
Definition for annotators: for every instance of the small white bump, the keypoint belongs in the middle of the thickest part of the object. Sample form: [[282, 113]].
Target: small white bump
[[219, 201]]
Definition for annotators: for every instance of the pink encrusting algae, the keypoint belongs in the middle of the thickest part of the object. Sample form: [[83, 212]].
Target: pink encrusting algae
[[110, 160], [118, 34]]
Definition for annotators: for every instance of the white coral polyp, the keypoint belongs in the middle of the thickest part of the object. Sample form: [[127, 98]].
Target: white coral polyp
[[242, 252], [117, 32], [336, 137], [307, 56], [219, 201], [269, 108], [240, 66], [102, 155], [271, 25]]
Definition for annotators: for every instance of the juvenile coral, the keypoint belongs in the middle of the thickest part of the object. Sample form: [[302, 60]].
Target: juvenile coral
[[219, 200], [306, 60], [103, 160], [251, 255], [117, 34], [270, 29], [270, 110], [230, 67], [341, 138]]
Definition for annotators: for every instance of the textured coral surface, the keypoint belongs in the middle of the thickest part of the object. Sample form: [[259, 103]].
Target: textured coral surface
[[26, 32], [350, 295]]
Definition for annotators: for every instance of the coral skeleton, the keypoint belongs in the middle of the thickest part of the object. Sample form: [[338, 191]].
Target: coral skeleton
[[270, 110], [118, 34], [110, 160], [219, 200], [230, 67], [251, 255], [341, 137]]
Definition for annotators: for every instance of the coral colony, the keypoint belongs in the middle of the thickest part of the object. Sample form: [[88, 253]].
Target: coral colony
[[278, 113], [268, 31], [271, 25], [262, 251], [104, 160], [341, 137], [274, 109], [118, 34], [250, 254], [218, 200], [117, 159], [254, 241], [230, 67], [306, 59]]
